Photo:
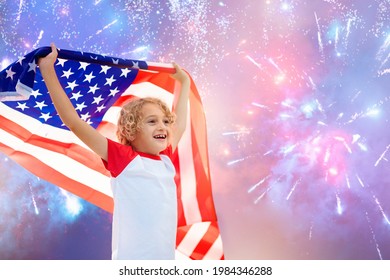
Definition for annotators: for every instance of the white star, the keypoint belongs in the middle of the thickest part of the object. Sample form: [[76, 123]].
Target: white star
[[81, 106], [93, 89], [40, 105], [61, 62], [125, 72], [100, 108], [83, 65], [22, 106], [36, 93], [115, 61], [97, 100], [72, 85], [89, 77], [114, 91], [76, 95], [45, 116], [109, 81], [20, 60], [10, 73], [135, 64], [33, 66], [104, 68], [67, 73], [85, 117]]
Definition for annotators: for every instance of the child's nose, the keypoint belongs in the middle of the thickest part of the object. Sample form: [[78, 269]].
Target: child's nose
[[161, 125]]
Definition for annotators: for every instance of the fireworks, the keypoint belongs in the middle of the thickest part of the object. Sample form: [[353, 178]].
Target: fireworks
[[328, 119]]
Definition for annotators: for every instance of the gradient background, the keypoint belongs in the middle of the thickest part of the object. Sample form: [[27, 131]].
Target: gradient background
[[296, 95]]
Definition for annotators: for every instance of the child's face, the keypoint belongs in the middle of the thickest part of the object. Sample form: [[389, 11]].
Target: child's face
[[155, 131]]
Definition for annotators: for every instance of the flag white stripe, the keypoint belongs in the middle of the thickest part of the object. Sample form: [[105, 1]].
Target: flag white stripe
[[61, 163], [160, 64], [37, 128], [181, 256], [112, 115], [146, 89], [192, 238], [188, 179], [215, 252]]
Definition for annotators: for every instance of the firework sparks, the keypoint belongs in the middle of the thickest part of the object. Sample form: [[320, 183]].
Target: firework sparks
[[374, 237], [33, 199], [382, 156], [381, 209], [339, 206], [293, 189], [251, 189]]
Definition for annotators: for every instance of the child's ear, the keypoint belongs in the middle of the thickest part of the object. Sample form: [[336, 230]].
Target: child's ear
[[132, 137]]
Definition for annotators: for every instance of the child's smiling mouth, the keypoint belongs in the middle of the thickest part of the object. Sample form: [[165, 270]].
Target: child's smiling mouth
[[160, 136]]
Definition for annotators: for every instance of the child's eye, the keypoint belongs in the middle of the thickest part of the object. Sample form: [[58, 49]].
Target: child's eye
[[151, 121], [166, 122]]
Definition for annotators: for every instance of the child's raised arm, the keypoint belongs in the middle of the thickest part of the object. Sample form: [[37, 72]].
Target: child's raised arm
[[180, 104], [92, 138]]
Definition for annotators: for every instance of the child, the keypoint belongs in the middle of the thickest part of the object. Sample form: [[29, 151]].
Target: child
[[144, 190]]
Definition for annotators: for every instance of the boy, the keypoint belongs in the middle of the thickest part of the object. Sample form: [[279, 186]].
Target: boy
[[144, 190]]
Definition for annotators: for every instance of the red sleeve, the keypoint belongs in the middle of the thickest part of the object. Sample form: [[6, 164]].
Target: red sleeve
[[119, 156]]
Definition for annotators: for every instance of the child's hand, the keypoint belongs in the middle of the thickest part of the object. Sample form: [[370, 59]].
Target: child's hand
[[50, 59], [180, 74]]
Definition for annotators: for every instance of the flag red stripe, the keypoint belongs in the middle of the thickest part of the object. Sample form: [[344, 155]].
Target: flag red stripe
[[206, 242], [72, 150], [108, 130], [51, 175], [181, 233], [123, 100], [201, 163], [161, 80], [180, 211]]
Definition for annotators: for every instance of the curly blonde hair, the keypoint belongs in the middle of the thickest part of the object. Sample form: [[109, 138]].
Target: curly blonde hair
[[129, 122]]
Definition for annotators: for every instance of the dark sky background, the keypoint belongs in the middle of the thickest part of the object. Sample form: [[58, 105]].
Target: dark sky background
[[296, 96]]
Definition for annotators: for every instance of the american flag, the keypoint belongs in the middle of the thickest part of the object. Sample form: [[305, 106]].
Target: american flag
[[32, 134]]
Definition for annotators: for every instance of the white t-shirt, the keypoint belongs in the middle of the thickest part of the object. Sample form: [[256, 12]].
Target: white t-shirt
[[145, 203]]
